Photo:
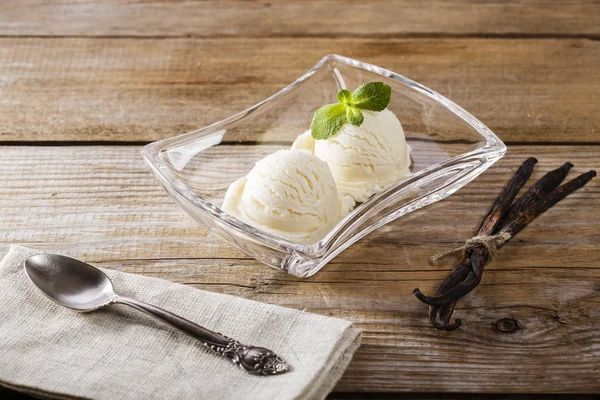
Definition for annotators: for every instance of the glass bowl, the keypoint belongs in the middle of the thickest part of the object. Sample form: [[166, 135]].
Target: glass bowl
[[450, 148]]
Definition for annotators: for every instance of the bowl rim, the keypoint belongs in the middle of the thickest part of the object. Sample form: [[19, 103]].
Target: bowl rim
[[493, 148]]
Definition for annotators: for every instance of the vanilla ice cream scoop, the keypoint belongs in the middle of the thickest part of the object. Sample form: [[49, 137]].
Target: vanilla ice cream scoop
[[290, 193], [365, 159]]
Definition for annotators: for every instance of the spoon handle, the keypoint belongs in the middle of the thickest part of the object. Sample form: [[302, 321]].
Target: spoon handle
[[256, 360]]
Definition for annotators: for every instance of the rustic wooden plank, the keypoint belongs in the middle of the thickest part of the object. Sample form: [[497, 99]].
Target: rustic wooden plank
[[148, 89], [86, 199], [401, 396], [298, 18], [101, 205], [556, 348]]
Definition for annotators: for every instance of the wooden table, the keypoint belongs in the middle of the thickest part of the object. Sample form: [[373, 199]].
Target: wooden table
[[83, 85]]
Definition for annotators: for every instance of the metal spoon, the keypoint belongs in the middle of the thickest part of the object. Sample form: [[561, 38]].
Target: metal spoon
[[82, 287]]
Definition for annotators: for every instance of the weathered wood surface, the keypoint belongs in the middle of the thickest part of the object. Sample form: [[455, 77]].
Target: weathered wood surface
[[91, 89], [298, 18], [128, 71], [100, 203]]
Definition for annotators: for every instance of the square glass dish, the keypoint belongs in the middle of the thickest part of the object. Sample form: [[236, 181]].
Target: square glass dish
[[450, 148]]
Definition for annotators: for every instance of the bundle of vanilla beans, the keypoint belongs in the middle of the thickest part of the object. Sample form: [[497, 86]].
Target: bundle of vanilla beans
[[505, 219]]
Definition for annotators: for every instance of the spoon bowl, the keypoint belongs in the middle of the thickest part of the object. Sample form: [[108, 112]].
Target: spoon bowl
[[69, 282]]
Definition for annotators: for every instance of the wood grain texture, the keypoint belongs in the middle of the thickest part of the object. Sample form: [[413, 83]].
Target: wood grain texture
[[101, 204], [298, 18], [123, 71], [541, 90]]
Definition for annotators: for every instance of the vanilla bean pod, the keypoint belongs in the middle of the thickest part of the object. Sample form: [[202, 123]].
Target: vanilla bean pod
[[505, 199], [536, 208], [488, 224], [469, 273], [479, 255], [544, 186], [504, 220], [440, 315]]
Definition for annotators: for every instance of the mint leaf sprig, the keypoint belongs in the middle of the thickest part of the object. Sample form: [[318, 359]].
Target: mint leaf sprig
[[372, 96]]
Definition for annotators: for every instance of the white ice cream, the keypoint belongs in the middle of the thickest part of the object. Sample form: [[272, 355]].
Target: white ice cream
[[366, 159], [290, 193]]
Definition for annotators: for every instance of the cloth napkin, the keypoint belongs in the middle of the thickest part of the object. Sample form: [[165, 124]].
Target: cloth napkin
[[120, 353]]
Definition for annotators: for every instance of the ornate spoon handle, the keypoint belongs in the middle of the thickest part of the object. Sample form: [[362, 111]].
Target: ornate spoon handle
[[256, 360]]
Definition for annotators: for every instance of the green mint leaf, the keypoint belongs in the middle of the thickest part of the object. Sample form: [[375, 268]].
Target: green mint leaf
[[354, 116], [372, 96], [328, 120], [344, 96]]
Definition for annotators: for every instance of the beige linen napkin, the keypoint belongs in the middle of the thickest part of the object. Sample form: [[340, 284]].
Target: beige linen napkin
[[119, 353]]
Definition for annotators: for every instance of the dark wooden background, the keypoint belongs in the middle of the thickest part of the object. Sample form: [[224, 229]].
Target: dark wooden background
[[84, 84]]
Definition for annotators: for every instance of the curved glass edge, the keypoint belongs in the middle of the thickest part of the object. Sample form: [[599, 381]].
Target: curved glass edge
[[326, 248], [304, 267]]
